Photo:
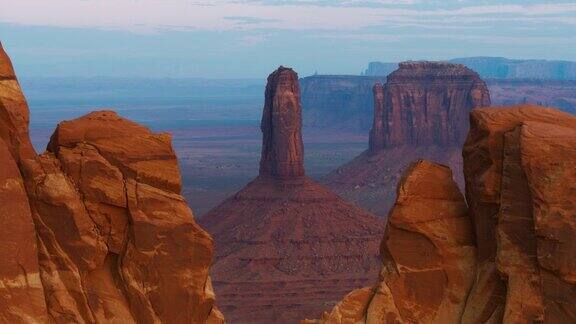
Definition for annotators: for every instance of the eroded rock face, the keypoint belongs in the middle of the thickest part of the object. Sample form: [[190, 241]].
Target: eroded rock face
[[377, 132], [420, 113], [102, 231], [285, 245], [428, 256], [282, 148], [519, 163], [428, 103], [21, 290]]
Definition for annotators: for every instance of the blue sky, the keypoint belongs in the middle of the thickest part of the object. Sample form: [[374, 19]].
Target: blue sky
[[249, 38]]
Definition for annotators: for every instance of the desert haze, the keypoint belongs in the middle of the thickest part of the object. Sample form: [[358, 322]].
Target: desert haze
[[279, 162]]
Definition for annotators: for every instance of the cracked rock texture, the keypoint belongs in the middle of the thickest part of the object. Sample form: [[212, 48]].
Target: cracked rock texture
[[506, 258], [95, 230]]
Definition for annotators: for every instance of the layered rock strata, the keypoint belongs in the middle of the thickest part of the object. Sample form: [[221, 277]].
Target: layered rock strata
[[420, 113], [95, 229], [285, 245], [427, 103], [509, 257]]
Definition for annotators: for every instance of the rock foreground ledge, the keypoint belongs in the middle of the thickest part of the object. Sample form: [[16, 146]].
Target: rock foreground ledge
[[507, 257], [95, 230]]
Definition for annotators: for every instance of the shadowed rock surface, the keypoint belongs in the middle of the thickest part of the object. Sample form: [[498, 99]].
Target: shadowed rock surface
[[519, 163], [509, 258], [95, 230], [282, 149], [377, 136], [420, 113], [285, 245], [342, 102]]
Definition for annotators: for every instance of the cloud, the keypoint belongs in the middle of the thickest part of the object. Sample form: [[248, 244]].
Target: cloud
[[221, 15]]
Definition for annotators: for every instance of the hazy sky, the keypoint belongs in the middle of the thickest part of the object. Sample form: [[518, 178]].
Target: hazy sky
[[249, 38]]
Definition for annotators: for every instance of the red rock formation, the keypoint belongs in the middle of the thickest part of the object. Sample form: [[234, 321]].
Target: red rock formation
[[519, 166], [428, 256], [102, 231], [422, 113], [21, 291], [427, 103], [282, 148], [285, 245], [518, 162], [377, 132]]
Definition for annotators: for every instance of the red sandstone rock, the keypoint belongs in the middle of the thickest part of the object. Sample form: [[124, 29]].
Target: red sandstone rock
[[285, 245], [15, 116], [282, 148], [21, 291], [116, 242], [519, 164], [428, 103], [428, 256], [420, 113], [377, 132], [369, 180]]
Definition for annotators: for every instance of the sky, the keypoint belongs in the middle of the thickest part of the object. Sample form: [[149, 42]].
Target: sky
[[250, 38]]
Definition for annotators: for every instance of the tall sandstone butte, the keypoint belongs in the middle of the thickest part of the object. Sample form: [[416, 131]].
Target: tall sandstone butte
[[286, 246], [420, 113], [427, 103], [510, 256], [95, 230], [282, 147]]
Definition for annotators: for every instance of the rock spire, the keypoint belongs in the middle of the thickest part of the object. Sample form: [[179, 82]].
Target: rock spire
[[282, 148]]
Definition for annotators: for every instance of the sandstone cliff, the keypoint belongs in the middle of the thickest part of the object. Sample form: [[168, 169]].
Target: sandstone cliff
[[338, 102], [420, 113], [95, 230], [427, 103], [285, 245], [508, 256]]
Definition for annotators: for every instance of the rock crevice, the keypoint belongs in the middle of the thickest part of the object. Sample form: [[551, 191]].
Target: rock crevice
[[507, 257]]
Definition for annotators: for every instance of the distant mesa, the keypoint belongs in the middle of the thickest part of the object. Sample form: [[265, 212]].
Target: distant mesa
[[498, 68], [285, 245], [505, 254], [426, 103], [345, 102], [420, 112]]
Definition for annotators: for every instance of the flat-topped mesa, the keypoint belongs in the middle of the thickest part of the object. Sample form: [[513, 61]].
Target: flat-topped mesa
[[377, 131], [282, 148], [427, 103]]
